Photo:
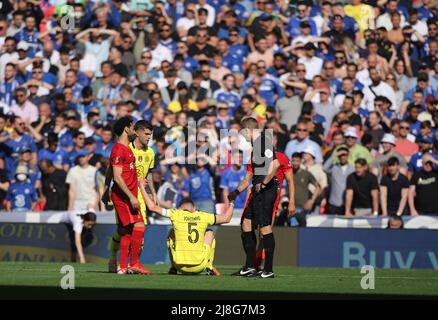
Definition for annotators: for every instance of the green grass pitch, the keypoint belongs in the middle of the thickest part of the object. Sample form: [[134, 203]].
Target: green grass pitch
[[42, 280]]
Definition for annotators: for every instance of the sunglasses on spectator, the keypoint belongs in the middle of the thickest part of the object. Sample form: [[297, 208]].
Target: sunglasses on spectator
[[328, 68], [301, 70], [201, 36], [234, 34], [301, 130], [205, 71], [404, 128], [21, 124], [165, 30], [146, 57], [261, 67]]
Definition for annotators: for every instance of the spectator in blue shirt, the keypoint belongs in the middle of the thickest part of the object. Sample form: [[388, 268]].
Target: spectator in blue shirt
[[415, 163], [106, 144], [303, 15], [29, 35], [78, 148], [21, 195], [17, 142], [228, 94], [199, 185], [71, 81], [54, 153], [230, 180], [412, 118], [8, 86]]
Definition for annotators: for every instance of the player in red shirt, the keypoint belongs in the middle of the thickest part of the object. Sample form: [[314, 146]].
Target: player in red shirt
[[124, 197], [284, 171]]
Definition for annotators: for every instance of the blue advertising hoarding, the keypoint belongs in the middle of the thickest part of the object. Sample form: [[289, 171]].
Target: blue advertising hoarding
[[41, 242], [353, 248]]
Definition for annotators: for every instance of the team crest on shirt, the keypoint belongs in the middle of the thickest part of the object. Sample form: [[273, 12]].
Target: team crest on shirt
[[268, 153], [140, 158], [117, 159], [131, 165]]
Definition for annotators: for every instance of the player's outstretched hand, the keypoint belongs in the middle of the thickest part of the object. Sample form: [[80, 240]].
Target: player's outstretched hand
[[135, 203], [233, 195]]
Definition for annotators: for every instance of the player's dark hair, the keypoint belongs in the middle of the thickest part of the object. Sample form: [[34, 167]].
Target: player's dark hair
[[121, 124], [142, 125], [186, 201]]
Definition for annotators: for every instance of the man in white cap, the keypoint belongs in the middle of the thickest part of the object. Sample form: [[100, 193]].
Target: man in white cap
[[379, 165], [357, 151]]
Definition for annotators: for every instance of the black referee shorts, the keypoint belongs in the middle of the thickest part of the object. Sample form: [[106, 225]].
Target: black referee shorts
[[261, 205]]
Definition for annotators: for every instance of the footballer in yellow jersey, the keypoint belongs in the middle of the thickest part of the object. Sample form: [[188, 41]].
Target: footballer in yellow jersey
[[144, 161], [190, 243]]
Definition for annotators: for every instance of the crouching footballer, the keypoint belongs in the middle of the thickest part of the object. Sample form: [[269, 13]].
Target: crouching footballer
[[190, 243]]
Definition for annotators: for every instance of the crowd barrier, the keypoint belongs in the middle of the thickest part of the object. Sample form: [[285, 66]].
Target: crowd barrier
[[348, 243]]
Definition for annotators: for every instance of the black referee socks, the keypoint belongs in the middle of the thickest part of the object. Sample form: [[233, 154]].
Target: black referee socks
[[269, 245], [249, 242]]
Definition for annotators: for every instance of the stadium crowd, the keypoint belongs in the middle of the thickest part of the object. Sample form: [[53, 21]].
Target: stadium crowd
[[349, 89]]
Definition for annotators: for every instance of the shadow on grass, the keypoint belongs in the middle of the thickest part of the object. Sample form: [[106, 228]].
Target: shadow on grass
[[42, 293]]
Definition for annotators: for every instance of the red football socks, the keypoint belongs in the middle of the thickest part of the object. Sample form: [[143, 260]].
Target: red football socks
[[136, 243], [125, 244]]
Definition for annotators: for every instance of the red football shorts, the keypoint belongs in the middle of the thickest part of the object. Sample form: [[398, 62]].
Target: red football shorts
[[125, 212]]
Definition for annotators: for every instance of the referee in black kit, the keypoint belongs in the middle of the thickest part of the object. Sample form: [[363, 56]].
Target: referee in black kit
[[258, 212]]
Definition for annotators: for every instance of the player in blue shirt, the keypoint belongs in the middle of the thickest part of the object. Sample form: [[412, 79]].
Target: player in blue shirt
[[230, 180], [21, 195]]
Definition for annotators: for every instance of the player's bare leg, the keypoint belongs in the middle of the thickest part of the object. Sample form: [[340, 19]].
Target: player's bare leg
[[210, 241], [249, 242]]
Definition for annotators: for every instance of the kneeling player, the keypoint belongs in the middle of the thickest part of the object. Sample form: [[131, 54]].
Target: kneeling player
[[191, 245]]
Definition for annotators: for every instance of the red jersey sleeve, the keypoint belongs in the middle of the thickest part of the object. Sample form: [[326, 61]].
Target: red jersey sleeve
[[249, 168], [285, 165], [117, 158]]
